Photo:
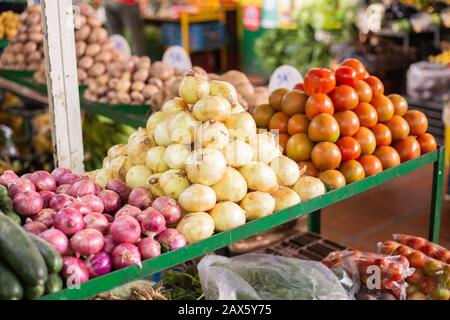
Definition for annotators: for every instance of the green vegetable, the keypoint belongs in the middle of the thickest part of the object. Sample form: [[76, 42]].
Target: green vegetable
[[6, 204], [14, 216], [53, 284], [52, 258], [182, 285], [19, 252], [3, 192], [35, 291], [10, 287]]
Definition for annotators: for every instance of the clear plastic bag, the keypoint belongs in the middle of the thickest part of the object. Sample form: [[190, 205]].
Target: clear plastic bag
[[428, 81], [268, 277], [431, 249]]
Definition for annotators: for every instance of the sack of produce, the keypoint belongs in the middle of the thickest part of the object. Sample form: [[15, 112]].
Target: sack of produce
[[428, 81], [264, 277], [431, 249]]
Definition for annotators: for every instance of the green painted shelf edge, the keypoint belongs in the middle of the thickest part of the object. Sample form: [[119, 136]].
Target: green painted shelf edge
[[173, 258]]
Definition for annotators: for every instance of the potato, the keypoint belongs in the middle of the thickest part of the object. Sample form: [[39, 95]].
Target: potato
[[94, 22], [200, 71], [245, 89], [114, 70], [150, 90], [135, 59], [137, 97], [102, 80], [20, 58], [105, 57], [83, 33], [82, 75], [144, 63], [90, 96], [86, 9], [138, 86], [22, 28], [92, 85], [123, 85], [114, 101], [103, 100], [112, 83], [33, 18], [86, 62], [80, 48], [93, 49], [17, 47], [29, 47], [23, 37], [123, 97], [262, 90], [108, 45], [101, 90], [111, 94], [141, 75], [162, 70], [234, 77], [98, 35], [126, 76], [80, 21], [97, 69], [129, 65], [23, 16], [34, 56], [36, 37], [156, 82], [35, 8], [173, 86], [35, 28]]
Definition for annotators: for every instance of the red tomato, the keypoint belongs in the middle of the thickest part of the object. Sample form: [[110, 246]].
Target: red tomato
[[326, 156], [376, 85], [371, 164], [427, 285], [352, 170], [349, 147], [416, 242], [279, 122], [364, 91], [366, 140], [388, 156], [344, 98], [298, 123], [345, 75], [355, 64], [407, 148], [416, 277], [310, 169], [429, 249], [400, 104], [427, 143], [300, 86], [399, 127], [318, 103], [418, 122], [348, 122], [384, 106], [417, 260], [367, 114], [403, 251], [319, 80], [382, 134]]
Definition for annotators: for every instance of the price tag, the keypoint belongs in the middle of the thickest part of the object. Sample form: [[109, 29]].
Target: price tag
[[178, 58], [121, 44], [285, 77]]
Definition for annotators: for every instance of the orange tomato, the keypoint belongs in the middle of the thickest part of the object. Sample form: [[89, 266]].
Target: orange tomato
[[310, 169], [352, 170], [298, 123], [418, 122], [319, 80], [400, 104], [282, 141], [276, 97], [348, 122], [388, 156], [417, 259], [407, 148], [294, 102], [279, 122], [344, 98], [326, 156], [366, 140], [333, 178], [371, 164], [349, 147], [262, 115], [323, 127], [399, 127], [367, 114], [355, 64], [382, 134], [318, 103], [364, 91], [427, 143], [376, 84], [299, 147], [385, 108]]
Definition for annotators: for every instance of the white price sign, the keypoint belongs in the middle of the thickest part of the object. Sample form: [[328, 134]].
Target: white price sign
[[178, 58], [121, 44], [285, 77]]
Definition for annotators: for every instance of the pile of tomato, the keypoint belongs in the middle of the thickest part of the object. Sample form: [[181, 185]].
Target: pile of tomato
[[342, 126]]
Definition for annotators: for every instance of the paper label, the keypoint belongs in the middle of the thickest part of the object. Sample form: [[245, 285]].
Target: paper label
[[178, 58], [121, 44], [285, 76]]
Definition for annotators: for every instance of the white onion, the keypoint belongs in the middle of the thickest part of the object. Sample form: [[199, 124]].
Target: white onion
[[175, 156], [259, 177], [238, 153], [285, 198], [257, 205], [212, 108], [124, 168], [241, 126], [138, 144], [197, 197], [174, 106], [115, 165], [227, 215], [117, 150], [223, 89], [308, 187], [161, 134], [102, 177], [231, 187], [287, 170], [236, 108], [193, 87], [154, 159], [196, 226], [153, 121], [213, 134], [173, 182], [182, 128], [137, 176], [205, 166], [264, 147], [153, 185]]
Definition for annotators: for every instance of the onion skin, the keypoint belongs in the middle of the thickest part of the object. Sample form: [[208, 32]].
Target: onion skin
[[125, 255], [205, 166], [125, 229], [241, 126], [28, 203], [45, 216], [120, 188], [259, 177], [140, 198], [59, 201], [82, 187], [149, 248], [46, 197], [223, 89], [172, 238], [238, 153], [152, 222], [57, 239], [69, 221], [8, 177], [81, 206], [87, 242], [197, 198], [94, 202], [63, 188], [196, 226], [74, 271], [58, 173], [109, 244], [227, 215], [257, 205], [193, 87], [231, 187], [128, 210], [212, 108], [285, 198], [173, 182], [68, 178], [20, 185], [34, 227], [309, 187], [96, 221], [111, 200], [98, 264], [43, 181], [286, 170], [169, 208]]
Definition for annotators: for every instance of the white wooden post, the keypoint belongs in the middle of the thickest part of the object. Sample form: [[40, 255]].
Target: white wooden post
[[62, 83]]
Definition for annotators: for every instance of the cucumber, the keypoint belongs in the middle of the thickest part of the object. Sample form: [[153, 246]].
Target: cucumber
[[34, 292], [10, 287], [52, 258], [14, 216], [3, 192], [20, 253], [53, 284]]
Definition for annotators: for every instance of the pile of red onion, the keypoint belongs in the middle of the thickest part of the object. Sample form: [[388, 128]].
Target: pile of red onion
[[95, 230]]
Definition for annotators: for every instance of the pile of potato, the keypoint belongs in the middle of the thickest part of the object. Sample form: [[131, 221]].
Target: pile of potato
[[25, 50], [9, 23]]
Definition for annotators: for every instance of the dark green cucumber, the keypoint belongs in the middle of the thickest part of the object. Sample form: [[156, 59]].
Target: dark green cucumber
[[52, 258], [10, 287], [3, 192], [20, 253], [14, 216], [53, 284], [34, 292]]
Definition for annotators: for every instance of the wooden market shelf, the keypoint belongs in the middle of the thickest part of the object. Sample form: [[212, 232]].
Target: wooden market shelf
[[220, 240]]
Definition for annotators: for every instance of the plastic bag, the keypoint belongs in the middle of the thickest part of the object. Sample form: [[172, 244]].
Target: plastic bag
[[267, 277], [431, 249], [364, 267], [428, 81]]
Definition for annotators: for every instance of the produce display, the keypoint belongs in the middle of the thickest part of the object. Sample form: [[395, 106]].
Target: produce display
[[341, 126], [9, 23]]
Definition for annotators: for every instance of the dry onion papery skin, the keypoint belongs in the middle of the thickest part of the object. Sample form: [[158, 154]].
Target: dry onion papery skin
[[308, 187], [173, 182], [174, 106], [196, 226], [241, 126], [238, 153], [124, 168], [231, 187], [197, 197], [212, 108], [265, 147], [153, 121], [237, 108], [257, 205], [213, 134], [102, 177], [227, 215], [259, 177], [285, 198], [223, 89], [137, 176], [161, 134], [117, 150], [182, 128], [205, 166], [193, 87], [286, 170], [138, 145], [115, 165], [153, 185], [155, 159], [176, 155]]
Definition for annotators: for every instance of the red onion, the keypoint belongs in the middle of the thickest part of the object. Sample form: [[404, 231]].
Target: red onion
[[43, 181], [34, 227], [7, 177], [26, 176], [69, 221], [46, 197], [111, 200], [82, 187], [45, 216], [94, 202], [169, 208], [96, 221], [28, 203], [110, 244], [68, 178], [98, 189], [172, 239], [140, 197], [57, 239], [149, 248], [125, 229], [125, 255], [19, 186], [152, 222], [109, 217], [81, 206], [98, 264], [58, 173], [59, 201], [120, 188], [128, 210], [87, 242], [63, 188], [74, 271]]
